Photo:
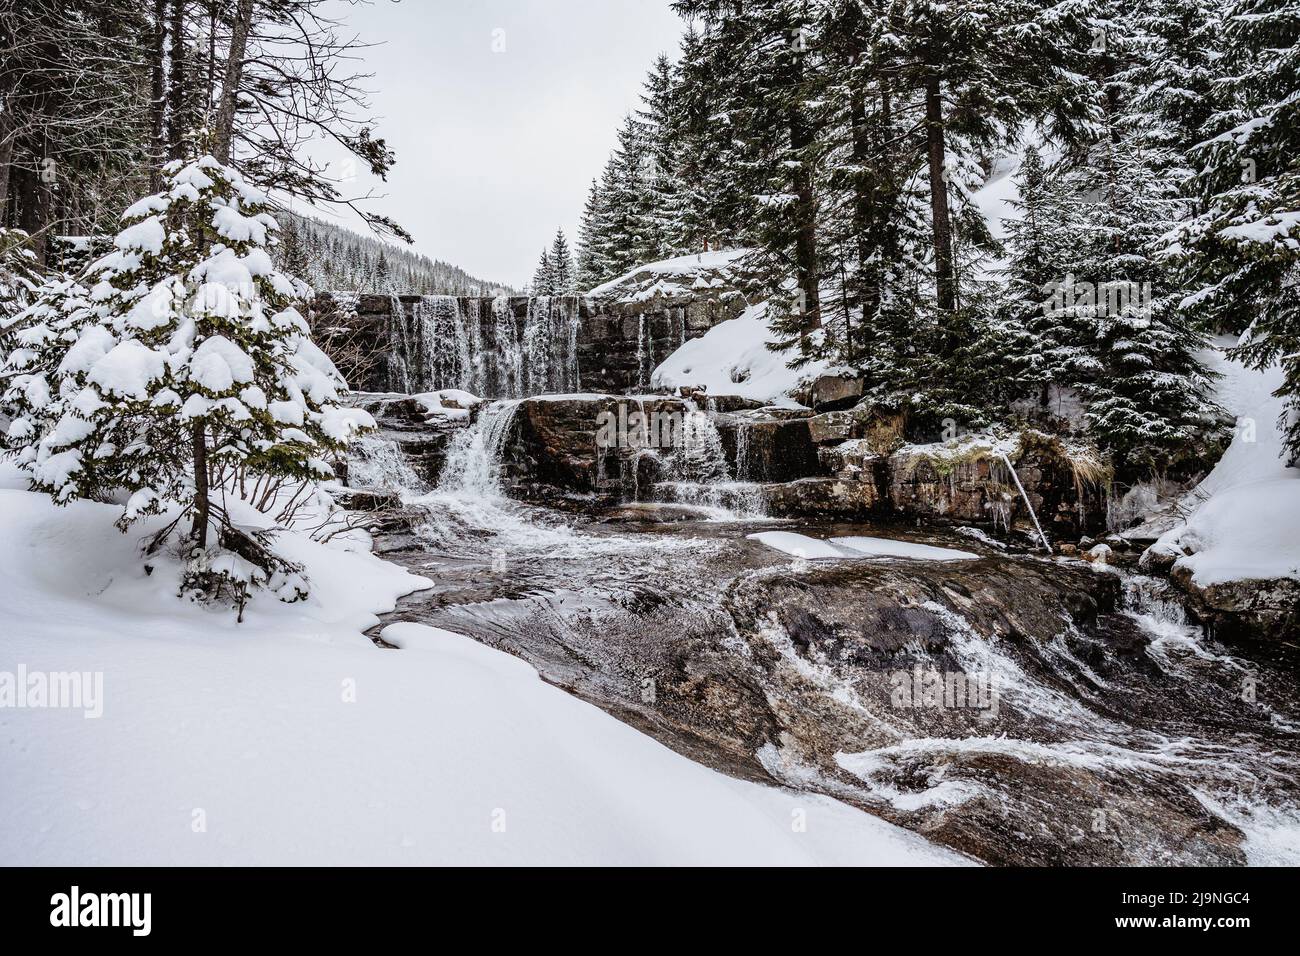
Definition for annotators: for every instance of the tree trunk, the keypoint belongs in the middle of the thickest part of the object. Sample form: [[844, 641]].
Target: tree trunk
[[176, 82], [34, 209], [199, 531], [864, 205], [941, 223], [157, 92], [224, 132], [805, 250], [6, 161]]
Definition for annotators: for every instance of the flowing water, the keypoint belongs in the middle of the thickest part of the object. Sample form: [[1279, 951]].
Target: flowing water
[[1111, 730], [449, 342]]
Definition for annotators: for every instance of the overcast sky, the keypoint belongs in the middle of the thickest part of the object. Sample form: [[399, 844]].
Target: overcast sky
[[495, 150]]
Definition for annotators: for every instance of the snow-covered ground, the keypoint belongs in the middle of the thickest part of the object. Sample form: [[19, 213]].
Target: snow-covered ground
[[1244, 520], [681, 275], [292, 739], [732, 358]]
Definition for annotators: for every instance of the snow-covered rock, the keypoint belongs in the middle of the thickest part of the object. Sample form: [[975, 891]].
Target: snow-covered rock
[[1239, 548]]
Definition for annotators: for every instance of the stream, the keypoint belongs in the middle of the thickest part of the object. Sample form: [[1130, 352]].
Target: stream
[[1016, 708]]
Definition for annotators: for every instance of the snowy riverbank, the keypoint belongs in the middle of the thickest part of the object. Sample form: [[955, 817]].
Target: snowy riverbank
[[291, 739]]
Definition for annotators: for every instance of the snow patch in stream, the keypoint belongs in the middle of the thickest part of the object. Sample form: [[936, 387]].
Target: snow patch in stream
[[855, 546]]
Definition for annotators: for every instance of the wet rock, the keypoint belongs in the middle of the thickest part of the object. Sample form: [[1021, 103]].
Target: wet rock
[[727, 403], [1159, 559], [833, 427], [600, 444], [1245, 610], [833, 497], [770, 445], [422, 437], [1099, 554]]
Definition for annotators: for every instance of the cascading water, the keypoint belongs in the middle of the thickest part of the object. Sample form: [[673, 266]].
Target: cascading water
[[448, 342], [699, 475], [550, 344], [401, 358], [509, 353], [476, 456], [645, 353], [377, 462]]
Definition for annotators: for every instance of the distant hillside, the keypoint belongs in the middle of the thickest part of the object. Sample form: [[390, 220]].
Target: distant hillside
[[334, 259]]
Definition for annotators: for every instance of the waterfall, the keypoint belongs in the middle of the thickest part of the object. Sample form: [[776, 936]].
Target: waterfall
[[645, 353], [550, 344], [476, 456], [375, 462], [698, 473], [400, 359], [742, 450], [509, 354], [442, 341], [445, 343]]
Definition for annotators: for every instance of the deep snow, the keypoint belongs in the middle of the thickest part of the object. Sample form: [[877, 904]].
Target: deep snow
[[1244, 518], [292, 739]]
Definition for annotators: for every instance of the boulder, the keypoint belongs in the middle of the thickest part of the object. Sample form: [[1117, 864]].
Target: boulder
[[833, 427], [832, 392], [1245, 610], [770, 445], [831, 497], [422, 437], [597, 444]]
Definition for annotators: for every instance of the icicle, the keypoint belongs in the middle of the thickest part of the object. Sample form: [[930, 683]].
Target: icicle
[[1023, 494]]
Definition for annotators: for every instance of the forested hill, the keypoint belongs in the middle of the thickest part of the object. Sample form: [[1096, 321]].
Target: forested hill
[[334, 259]]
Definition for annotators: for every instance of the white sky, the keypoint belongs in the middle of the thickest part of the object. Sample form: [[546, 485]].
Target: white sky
[[495, 150]]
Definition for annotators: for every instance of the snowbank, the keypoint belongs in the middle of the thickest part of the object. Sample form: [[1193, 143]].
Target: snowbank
[[732, 358], [1245, 516], [293, 740], [856, 546], [643, 281]]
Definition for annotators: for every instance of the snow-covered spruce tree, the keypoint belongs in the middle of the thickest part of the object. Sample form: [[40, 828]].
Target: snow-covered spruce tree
[[1113, 330], [563, 280], [1242, 252], [591, 259], [175, 374], [1031, 330], [544, 278]]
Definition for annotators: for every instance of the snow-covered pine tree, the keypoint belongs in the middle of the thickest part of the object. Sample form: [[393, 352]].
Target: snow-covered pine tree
[[383, 275], [563, 279], [1115, 332], [1030, 332], [658, 120], [175, 374], [760, 58], [1176, 49], [976, 71], [1242, 252], [591, 260], [544, 277], [709, 199]]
